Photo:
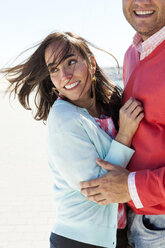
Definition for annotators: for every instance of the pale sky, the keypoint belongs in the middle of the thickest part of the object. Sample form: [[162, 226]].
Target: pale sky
[[24, 23]]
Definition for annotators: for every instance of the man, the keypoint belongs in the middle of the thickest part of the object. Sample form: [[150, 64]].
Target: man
[[144, 78]]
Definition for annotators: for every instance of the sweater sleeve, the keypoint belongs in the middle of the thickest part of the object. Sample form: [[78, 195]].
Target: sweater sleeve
[[119, 154], [150, 185], [73, 156]]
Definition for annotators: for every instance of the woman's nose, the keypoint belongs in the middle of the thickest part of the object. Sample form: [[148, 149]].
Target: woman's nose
[[66, 74]]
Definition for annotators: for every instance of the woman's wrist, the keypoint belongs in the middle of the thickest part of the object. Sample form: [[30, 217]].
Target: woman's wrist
[[123, 139]]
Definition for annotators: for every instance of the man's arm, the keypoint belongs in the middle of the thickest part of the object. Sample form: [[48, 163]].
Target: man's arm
[[110, 188], [113, 186]]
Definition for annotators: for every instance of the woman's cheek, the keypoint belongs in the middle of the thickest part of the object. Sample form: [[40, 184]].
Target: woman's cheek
[[54, 81]]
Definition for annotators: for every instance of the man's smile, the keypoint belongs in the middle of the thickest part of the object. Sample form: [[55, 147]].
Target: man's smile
[[144, 13]]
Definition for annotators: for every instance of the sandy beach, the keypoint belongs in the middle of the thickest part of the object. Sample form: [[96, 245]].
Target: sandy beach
[[26, 206]]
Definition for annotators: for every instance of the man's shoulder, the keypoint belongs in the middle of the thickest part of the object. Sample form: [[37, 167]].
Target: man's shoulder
[[131, 54], [130, 49]]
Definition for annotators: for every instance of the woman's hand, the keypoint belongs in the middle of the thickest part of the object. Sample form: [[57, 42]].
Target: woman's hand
[[130, 115]]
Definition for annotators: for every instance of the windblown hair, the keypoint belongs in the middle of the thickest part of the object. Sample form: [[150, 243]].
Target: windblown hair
[[33, 76]]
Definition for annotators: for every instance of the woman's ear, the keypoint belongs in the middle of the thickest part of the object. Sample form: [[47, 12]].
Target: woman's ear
[[93, 64]]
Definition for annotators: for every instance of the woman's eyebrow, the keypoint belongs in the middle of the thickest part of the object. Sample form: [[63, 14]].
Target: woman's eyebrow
[[66, 57]]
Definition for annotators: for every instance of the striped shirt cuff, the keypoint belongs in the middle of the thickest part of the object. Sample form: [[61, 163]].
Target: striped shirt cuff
[[133, 191]]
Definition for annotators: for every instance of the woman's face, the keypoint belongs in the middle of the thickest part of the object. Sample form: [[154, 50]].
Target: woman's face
[[71, 77]]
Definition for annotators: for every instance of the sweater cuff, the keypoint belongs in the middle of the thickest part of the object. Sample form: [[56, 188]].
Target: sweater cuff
[[133, 191], [119, 154]]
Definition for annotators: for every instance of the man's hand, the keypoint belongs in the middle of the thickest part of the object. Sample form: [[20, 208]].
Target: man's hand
[[110, 188]]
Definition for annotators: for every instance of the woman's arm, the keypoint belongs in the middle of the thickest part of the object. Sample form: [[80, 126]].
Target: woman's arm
[[73, 155]]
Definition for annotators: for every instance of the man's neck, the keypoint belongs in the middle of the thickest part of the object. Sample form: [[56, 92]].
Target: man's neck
[[146, 47], [147, 36]]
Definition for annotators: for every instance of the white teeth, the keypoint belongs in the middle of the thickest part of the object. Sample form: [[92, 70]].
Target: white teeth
[[145, 12], [70, 86]]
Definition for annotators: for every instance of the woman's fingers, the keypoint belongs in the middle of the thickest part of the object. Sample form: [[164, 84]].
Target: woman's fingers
[[135, 113], [127, 104], [132, 108], [140, 117]]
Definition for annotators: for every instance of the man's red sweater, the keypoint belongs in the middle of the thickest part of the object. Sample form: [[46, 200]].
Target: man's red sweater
[[145, 81]]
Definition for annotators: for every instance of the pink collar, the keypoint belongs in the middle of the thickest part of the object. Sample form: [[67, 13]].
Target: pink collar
[[146, 47]]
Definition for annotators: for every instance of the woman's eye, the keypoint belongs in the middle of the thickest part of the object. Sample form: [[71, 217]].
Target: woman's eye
[[72, 61], [53, 70]]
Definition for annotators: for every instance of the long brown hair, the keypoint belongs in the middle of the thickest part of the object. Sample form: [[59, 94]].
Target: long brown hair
[[33, 76]]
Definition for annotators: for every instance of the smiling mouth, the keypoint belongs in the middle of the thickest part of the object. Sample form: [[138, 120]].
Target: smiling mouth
[[71, 86], [144, 13]]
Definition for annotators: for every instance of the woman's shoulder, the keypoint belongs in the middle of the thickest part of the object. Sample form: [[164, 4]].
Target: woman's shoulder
[[63, 105], [63, 109], [64, 114]]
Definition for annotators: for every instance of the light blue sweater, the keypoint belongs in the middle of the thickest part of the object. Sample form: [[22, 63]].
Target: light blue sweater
[[74, 141]]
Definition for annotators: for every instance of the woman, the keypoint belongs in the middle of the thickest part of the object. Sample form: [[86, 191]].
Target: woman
[[81, 107]]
